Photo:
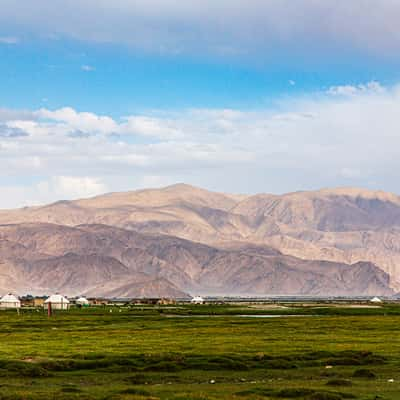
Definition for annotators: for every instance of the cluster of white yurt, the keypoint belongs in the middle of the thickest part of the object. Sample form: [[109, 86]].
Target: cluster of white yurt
[[197, 300], [376, 300], [9, 301], [82, 301], [57, 302]]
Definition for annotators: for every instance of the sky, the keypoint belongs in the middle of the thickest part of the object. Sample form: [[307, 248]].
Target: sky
[[231, 95]]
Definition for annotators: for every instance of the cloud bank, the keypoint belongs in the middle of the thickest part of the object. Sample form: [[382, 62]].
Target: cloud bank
[[347, 136], [228, 28]]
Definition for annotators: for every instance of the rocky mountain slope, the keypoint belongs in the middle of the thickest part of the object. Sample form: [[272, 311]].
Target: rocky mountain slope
[[352, 228], [104, 260]]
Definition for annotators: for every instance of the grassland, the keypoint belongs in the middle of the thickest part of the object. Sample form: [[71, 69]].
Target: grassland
[[202, 352]]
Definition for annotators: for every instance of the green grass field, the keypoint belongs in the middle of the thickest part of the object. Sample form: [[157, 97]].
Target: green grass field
[[202, 352]]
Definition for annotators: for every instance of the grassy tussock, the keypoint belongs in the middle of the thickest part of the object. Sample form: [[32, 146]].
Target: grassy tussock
[[179, 362]]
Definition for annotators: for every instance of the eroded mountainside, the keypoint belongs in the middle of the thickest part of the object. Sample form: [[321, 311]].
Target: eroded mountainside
[[110, 261], [340, 241]]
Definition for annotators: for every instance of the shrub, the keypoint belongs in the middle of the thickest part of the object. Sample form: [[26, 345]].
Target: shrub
[[280, 364], [325, 396], [339, 382], [137, 379], [255, 391], [138, 392], [294, 393], [70, 390], [364, 373]]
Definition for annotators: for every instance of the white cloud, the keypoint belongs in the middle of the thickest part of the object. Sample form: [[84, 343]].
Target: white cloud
[[350, 173], [150, 181], [67, 187], [328, 139], [7, 114], [7, 130], [9, 40], [87, 68], [50, 190], [84, 121], [153, 127], [354, 90]]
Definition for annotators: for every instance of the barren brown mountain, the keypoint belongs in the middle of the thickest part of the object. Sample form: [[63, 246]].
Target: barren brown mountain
[[341, 241]]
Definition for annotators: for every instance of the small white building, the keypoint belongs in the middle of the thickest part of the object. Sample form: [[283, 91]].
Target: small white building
[[57, 301], [376, 300], [82, 301], [9, 301], [197, 300]]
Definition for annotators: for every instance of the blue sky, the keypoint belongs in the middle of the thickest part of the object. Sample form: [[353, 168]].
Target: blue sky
[[255, 96], [118, 80]]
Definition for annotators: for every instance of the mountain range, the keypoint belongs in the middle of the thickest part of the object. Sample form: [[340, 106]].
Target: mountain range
[[182, 240]]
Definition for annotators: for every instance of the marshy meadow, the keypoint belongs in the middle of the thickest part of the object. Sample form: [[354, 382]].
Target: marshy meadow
[[206, 352]]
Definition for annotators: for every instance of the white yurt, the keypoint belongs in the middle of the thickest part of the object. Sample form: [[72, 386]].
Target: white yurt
[[82, 301], [58, 302], [9, 301], [197, 300], [376, 300]]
